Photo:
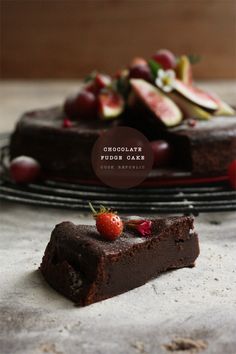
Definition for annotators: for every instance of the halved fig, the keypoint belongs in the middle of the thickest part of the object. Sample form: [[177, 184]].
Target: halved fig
[[184, 70], [157, 102], [110, 105], [99, 82], [102, 80], [189, 109], [224, 109], [196, 95]]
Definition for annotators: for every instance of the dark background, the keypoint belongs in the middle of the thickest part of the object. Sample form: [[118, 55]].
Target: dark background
[[68, 38]]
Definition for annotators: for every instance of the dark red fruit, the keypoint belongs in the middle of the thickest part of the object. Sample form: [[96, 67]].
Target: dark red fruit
[[108, 223], [166, 58], [99, 82], [70, 108], [24, 169], [140, 72], [192, 123], [161, 153], [138, 61], [82, 105], [102, 80], [67, 123], [232, 174]]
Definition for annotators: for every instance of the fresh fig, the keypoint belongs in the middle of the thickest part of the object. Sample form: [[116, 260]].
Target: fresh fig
[[99, 82], [196, 95], [184, 70], [189, 109], [111, 105], [225, 109], [157, 102], [122, 74]]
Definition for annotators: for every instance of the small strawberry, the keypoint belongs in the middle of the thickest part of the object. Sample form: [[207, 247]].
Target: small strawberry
[[108, 223]]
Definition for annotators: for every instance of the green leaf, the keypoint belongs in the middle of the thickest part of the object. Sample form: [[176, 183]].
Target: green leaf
[[154, 66], [194, 58], [121, 85], [90, 76]]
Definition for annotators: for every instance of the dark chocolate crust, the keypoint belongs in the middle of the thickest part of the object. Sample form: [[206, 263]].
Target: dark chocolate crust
[[61, 152], [81, 265], [206, 149]]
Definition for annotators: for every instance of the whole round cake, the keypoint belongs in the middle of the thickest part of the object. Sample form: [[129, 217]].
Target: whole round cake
[[188, 129]]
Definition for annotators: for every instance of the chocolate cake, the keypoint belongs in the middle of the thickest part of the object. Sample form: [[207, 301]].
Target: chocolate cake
[[159, 100], [86, 268], [62, 152], [205, 149]]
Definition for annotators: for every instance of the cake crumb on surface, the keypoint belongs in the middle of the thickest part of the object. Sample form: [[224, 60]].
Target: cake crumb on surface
[[50, 348], [186, 344], [139, 346]]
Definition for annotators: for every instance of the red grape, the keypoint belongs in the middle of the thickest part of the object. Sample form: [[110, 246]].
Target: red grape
[[138, 61], [24, 169], [140, 72], [161, 153], [82, 105], [166, 58]]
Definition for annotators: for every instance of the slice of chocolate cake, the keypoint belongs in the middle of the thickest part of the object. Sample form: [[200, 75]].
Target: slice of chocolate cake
[[86, 268]]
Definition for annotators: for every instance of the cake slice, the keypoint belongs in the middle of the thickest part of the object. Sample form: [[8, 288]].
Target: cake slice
[[86, 268]]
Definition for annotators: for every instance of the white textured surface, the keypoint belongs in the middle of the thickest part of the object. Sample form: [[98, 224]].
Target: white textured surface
[[199, 303]]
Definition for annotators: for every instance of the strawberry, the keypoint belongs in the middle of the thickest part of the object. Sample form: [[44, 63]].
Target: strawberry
[[108, 223]]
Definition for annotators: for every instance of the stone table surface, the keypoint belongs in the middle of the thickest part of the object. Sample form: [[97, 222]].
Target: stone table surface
[[197, 303]]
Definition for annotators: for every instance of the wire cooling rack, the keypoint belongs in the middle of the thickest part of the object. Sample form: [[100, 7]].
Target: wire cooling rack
[[191, 199]]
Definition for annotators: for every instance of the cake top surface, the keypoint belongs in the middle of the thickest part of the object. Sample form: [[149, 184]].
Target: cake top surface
[[52, 118], [163, 84], [224, 125], [68, 233]]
